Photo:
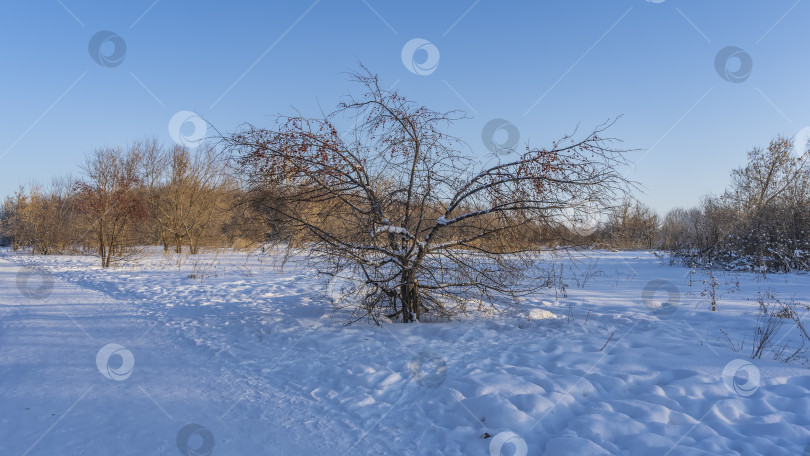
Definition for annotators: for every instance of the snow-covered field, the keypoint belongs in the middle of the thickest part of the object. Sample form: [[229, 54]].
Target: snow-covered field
[[244, 359]]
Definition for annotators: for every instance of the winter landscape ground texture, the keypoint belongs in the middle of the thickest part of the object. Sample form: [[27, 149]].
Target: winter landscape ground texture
[[227, 354]]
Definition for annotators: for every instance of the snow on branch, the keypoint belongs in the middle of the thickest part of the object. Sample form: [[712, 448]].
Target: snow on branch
[[391, 229]]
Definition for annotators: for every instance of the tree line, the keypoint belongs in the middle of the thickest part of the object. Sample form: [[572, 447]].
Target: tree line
[[143, 194], [147, 194], [150, 194]]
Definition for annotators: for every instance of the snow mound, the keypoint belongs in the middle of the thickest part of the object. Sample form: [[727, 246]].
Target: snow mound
[[540, 314]]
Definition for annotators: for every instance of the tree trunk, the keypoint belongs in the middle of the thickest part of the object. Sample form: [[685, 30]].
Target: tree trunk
[[411, 307], [164, 239], [102, 250], [110, 251]]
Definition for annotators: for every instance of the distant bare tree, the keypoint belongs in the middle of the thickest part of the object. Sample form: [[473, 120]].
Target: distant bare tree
[[11, 219], [110, 199], [682, 228], [632, 225], [192, 197], [153, 165], [58, 216], [768, 176], [398, 207]]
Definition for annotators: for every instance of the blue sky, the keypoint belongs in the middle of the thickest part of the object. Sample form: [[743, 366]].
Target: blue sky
[[544, 66]]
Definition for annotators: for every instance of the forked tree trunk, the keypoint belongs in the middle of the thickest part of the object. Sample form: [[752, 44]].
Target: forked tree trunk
[[411, 306]]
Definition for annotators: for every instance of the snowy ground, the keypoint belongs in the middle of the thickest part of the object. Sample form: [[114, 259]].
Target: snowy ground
[[251, 360]]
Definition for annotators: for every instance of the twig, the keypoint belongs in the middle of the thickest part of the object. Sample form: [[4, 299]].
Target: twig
[[606, 342]]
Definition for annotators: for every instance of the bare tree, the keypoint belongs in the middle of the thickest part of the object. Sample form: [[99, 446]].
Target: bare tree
[[153, 164], [398, 206], [11, 218], [632, 225], [192, 197], [769, 175], [110, 199]]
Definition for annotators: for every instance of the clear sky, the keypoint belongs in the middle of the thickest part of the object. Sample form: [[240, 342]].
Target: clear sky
[[544, 66]]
